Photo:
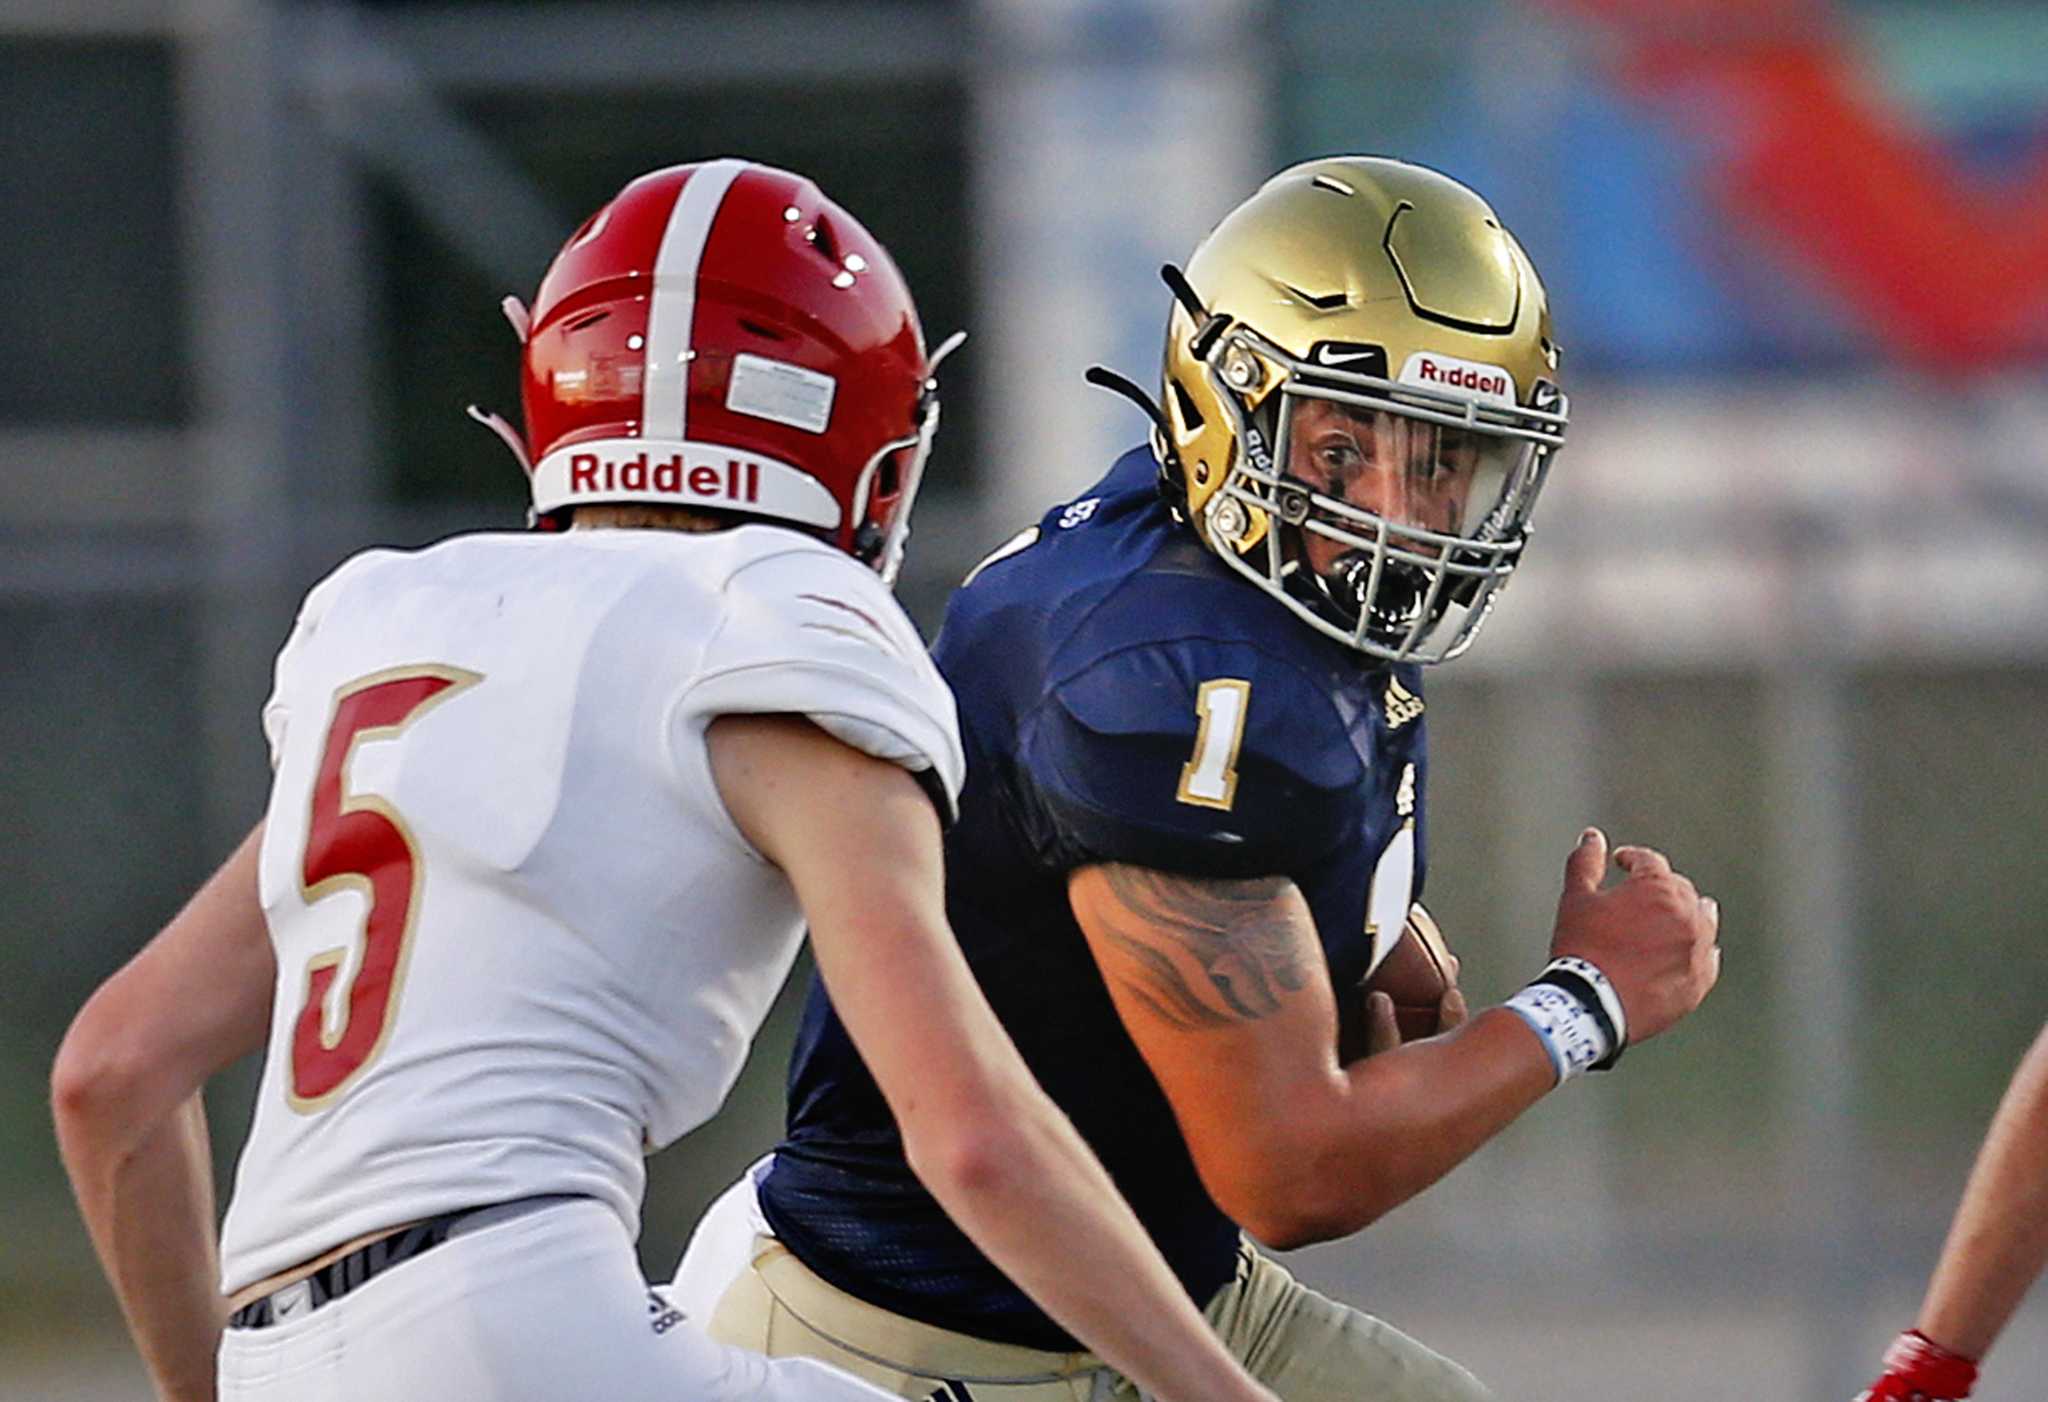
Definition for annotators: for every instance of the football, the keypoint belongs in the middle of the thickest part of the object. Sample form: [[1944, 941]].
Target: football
[[1415, 974]]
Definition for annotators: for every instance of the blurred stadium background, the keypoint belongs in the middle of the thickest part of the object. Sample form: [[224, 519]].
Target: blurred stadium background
[[1788, 616]]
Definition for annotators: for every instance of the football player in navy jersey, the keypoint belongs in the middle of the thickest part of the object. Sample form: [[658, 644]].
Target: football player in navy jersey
[[1194, 821]]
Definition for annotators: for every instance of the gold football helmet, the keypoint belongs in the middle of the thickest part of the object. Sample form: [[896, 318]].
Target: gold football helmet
[[1359, 403]]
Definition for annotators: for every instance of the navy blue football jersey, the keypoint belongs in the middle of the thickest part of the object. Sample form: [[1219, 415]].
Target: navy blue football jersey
[[1124, 696]]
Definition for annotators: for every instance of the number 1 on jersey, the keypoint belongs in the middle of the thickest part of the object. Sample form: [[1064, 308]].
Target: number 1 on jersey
[[359, 842], [1209, 779]]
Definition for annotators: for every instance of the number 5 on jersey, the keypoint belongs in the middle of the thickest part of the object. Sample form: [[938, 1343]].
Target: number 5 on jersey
[[357, 841], [1209, 778]]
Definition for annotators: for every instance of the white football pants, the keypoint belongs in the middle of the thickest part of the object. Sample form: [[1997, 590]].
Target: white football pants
[[546, 1307]]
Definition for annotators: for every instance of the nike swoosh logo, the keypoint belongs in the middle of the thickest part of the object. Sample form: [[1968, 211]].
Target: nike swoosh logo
[[1326, 356]]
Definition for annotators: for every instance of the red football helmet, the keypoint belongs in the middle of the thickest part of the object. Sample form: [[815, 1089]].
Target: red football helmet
[[723, 336]]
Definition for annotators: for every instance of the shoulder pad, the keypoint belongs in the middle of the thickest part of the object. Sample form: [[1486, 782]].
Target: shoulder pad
[[313, 608], [1193, 755], [813, 632]]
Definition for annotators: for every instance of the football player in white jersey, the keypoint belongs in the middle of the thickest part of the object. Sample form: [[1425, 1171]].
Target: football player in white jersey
[[550, 814]]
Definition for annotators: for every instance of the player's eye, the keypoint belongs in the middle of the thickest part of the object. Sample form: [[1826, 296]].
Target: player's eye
[[1340, 454]]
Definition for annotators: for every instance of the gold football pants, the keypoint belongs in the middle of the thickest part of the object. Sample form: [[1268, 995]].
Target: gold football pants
[[1303, 1345]]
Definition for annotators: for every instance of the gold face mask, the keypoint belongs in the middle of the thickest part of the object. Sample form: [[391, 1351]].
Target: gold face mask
[[1359, 405]]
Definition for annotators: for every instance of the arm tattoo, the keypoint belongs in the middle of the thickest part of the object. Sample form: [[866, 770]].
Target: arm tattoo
[[1203, 952]]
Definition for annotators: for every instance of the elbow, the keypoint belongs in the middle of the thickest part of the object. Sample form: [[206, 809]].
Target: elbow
[[1288, 1199], [1286, 1230], [974, 1161], [1289, 1223], [90, 1081], [79, 1091]]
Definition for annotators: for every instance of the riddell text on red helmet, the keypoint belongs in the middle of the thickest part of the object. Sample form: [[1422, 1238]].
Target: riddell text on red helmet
[[740, 481], [1462, 377]]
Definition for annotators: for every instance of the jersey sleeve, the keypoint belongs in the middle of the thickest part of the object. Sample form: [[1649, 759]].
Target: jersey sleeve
[[1199, 757], [815, 634]]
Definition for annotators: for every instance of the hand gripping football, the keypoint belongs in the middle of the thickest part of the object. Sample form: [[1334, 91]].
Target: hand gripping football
[[1416, 973]]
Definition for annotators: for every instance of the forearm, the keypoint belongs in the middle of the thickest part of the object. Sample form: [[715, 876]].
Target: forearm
[[1998, 1243], [1040, 1205], [125, 1093], [148, 1202], [1398, 1122]]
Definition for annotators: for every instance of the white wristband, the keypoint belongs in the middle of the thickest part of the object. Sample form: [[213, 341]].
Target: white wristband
[[1568, 1029], [1610, 1001]]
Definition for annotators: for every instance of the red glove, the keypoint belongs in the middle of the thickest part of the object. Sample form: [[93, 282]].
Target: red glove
[[1917, 1369]]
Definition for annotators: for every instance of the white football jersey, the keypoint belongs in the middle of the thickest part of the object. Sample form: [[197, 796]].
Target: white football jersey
[[519, 940]]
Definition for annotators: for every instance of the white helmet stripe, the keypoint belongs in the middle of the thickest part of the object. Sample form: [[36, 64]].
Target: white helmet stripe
[[674, 307]]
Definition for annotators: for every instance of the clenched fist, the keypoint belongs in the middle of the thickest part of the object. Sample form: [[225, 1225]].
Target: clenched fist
[[1651, 933]]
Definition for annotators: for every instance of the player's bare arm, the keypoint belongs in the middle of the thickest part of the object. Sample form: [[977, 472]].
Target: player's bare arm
[[1998, 1243], [1223, 987], [860, 842], [1205, 953], [1234, 953], [125, 1093], [1293, 1147], [1997, 1247]]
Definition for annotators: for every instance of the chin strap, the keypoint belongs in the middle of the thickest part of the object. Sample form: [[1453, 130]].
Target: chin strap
[[522, 326], [1102, 377], [1173, 481], [946, 348], [506, 434], [1208, 325], [521, 319]]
